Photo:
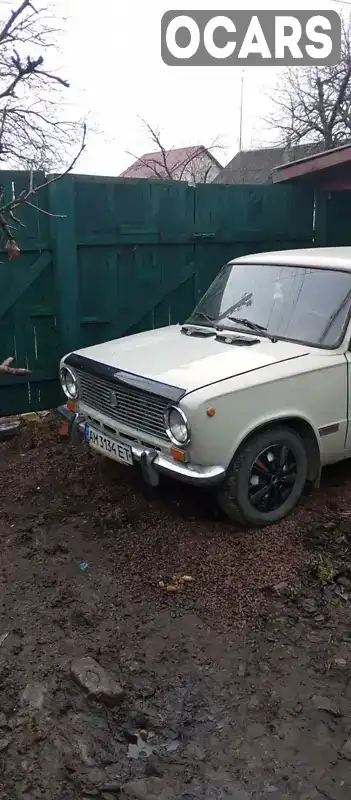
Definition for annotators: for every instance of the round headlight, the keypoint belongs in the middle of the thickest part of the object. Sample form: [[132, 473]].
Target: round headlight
[[177, 426], [69, 383]]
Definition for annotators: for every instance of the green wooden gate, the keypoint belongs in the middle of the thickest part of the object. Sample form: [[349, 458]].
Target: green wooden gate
[[29, 328], [128, 256]]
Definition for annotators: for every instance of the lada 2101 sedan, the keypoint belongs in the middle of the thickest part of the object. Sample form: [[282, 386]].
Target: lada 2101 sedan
[[250, 395]]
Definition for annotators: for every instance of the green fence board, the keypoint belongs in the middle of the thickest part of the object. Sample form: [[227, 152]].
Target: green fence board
[[337, 218], [245, 214], [133, 255]]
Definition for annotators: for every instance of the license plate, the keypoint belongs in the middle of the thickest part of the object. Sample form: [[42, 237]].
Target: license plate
[[110, 447]]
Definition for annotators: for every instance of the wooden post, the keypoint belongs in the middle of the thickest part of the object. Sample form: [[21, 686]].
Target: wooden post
[[63, 233], [320, 218]]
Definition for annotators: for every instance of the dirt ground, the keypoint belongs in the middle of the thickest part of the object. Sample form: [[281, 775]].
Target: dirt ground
[[236, 683]]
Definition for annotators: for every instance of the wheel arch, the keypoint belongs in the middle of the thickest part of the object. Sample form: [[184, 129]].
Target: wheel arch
[[307, 433]]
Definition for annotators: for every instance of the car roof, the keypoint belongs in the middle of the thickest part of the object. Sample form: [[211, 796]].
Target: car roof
[[338, 258]]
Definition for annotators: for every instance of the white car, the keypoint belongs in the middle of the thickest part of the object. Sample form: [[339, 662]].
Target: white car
[[250, 395]]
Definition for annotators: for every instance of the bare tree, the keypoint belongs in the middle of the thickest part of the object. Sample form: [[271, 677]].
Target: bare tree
[[193, 165], [33, 132], [314, 104]]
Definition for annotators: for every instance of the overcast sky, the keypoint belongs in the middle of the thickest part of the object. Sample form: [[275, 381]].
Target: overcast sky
[[111, 55]]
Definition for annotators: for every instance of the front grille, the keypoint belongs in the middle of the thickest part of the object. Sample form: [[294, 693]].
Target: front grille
[[133, 407]]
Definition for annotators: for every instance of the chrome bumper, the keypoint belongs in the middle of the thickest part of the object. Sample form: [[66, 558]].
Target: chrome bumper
[[152, 462]]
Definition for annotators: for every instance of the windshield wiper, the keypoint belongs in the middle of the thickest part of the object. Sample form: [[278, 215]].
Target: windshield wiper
[[248, 324], [213, 323], [253, 326]]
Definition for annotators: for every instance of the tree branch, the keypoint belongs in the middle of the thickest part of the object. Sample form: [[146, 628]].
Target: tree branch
[[14, 16], [314, 104], [23, 199], [29, 87], [163, 166]]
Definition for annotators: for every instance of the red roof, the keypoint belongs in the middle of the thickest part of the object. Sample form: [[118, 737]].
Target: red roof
[[152, 165]]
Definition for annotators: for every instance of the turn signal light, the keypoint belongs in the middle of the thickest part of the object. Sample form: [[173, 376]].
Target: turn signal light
[[71, 406], [178, 455]]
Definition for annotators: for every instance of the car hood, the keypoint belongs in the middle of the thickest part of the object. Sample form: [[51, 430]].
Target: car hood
[[169, 356]]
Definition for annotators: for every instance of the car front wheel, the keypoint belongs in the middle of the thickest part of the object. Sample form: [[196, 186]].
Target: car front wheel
[[266, 478]]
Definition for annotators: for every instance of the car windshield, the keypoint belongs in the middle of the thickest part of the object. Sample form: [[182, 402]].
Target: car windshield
[[295, 303]]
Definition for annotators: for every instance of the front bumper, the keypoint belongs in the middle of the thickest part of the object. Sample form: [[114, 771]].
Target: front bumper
[[152, 462]]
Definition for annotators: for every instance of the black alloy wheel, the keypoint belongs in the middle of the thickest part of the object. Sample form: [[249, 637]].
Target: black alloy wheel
[[266, 478], [272, 478]]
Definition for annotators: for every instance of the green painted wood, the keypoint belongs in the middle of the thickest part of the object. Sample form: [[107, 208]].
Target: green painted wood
[[134, 255], [23, 280], [235, 212], [29, 246], [333, 212], [37, 226], [28, 329], [62, 201], [321, 205]]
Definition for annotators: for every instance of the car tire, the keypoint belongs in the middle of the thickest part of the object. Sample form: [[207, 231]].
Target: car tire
[[260, 489]]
